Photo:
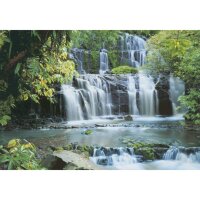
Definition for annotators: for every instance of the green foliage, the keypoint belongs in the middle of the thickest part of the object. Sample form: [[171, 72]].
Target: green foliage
[[166, 51], [3, 38], [39, 77], [19, 155], [4, 119], [192, 102], [124, 70], [6, 104], [178, 52], [31, 63], [145, 33], [95, 39]]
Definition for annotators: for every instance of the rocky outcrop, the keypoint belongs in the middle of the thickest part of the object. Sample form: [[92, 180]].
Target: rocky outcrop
[[118, 90], [75, 161], [165, 104]]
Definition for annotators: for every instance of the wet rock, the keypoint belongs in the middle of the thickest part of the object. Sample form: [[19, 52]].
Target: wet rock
[[99, 125], [76, 160], [87, 132], [148, 153], [52, 162], [102, 161], [128, 118]]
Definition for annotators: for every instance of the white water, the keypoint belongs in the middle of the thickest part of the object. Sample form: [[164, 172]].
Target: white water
[[175, 153], [79, 57], [122, 158], [132, 92], [177, 88], [103, 62], [173, 159], [133, 50], [147, 95], [91, 98]]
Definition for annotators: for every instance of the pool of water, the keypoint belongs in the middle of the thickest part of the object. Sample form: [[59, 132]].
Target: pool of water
[[166, 130], [151, 130]]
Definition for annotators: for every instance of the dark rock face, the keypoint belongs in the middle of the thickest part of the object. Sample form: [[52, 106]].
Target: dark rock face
[[52, 162], [118, 89], [128, 118], [165, 104]]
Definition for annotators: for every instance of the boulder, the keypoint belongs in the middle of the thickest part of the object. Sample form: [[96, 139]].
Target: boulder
[[75, 161], [128, 118], [53, 162]]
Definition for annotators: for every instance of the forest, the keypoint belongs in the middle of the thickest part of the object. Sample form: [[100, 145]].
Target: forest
[[99, 99]]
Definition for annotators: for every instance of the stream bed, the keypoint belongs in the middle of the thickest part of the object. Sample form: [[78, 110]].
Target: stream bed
[[112, 134]]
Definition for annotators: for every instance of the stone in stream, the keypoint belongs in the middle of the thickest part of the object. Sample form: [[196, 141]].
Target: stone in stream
[[75, 161], [128, 118], [52, 162]]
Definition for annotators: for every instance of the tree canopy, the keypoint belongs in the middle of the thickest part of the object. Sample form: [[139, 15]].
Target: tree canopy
[[31, 62]]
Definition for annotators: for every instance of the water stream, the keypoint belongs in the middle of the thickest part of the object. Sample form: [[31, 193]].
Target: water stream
[[90, 102]]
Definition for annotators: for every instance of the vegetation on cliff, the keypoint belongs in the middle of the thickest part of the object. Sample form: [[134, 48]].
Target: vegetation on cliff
[[124, 70], [178, 52]]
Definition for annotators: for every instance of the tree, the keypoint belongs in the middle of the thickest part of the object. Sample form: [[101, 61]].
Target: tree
[[31, 62]]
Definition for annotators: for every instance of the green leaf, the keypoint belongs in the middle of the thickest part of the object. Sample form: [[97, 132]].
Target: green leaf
[[35, 33], [17, 68]]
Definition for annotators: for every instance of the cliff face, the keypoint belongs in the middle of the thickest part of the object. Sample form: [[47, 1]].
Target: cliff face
[[94, 95]]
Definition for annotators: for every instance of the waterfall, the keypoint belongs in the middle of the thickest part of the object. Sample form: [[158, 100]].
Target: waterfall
[[132, 92], [79, 58], [133, 50], [147, 95], [176, 89], [119, 158], [103, 62], [88, 97], [182, 154], [72, 103]]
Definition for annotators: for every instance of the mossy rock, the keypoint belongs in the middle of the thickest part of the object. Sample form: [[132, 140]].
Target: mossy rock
[[141, 145], [144, 149], [59, 149], [124, 70], [148, 153], [128, 118], [88, 132], [68, 147]]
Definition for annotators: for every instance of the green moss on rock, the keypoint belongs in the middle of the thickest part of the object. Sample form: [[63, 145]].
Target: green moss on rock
[[124, 70], [88, 132], [148, 153]]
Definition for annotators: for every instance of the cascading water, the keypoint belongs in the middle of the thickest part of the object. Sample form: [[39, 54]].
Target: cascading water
[[147, 95], [89, 97], [177, 88], [148, 98], [181, 154], [132, 92], [133, 50], [103, 61], [119, 158], [79, 57]]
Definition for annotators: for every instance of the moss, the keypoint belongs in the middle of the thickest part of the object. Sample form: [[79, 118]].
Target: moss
[[88, 132], [124, 70], [68, 147], [59, 148], [144, 149], [148, 153]]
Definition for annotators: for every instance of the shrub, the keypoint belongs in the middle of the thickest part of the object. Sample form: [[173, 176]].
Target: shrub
[[124, 70], [19, 154]]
